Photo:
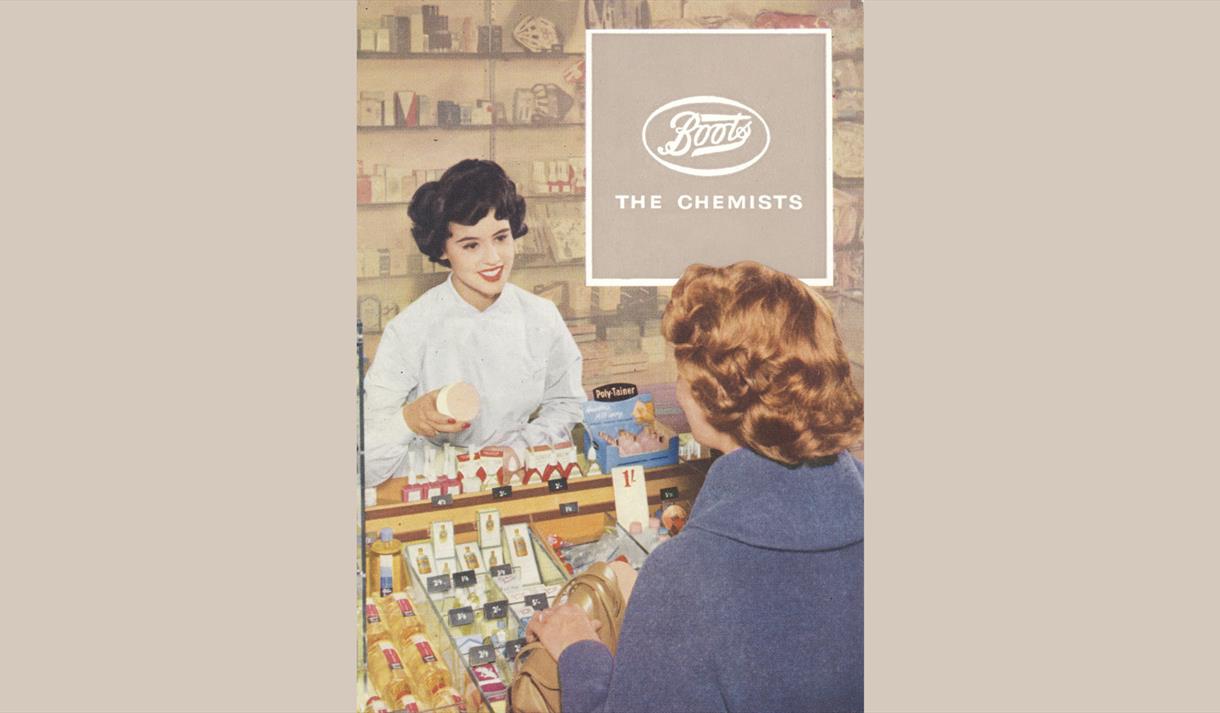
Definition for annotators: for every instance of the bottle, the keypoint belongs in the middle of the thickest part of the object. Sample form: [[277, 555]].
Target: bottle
[[519, 545], [375, 628], [407, 703], [427, 672], [375, 705], [472, 561], [448, 696], [400, 617], [492, 559], [387, 672], [387, 570], [489, 525], [425, 566]]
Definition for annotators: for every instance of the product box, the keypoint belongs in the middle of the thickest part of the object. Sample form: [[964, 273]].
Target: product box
[[521, 552], [471, 557], [537, 462], [488, 525], [627, 433], [422, 560], [493, 556], [442, 539]]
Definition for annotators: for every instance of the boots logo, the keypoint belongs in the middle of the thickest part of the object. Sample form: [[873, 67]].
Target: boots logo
[[706, 136]]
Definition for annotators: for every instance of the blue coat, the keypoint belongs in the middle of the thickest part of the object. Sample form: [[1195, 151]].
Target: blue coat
[[757, 606]]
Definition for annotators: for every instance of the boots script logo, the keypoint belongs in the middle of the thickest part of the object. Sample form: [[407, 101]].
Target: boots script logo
[[706, 136]]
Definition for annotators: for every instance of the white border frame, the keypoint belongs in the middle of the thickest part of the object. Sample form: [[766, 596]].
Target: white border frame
[[590, 281]]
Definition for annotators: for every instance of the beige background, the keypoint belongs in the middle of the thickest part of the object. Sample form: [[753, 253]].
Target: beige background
[[633, 75], [177, 297]]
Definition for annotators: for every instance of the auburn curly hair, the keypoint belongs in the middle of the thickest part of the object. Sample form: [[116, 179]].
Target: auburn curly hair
[[763, 359]]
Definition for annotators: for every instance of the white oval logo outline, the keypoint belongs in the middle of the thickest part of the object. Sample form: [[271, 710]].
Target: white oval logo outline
[[704, 171]]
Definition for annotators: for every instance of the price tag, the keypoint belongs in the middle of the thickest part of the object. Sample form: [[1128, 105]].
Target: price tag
[[557, 485], [511, 648], [442, 500], [669, 493], [569, 508], [465, 578], [501, 570], [537, 602], [504, 491], [480, 655], [439, 583], [461, 616], [495, 610]]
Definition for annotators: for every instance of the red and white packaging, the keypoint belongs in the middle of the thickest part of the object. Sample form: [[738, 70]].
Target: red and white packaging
[[467, 466], [565, 458], [489, 681], [537, 460], [491, 467], [406, 702], [376, 705]]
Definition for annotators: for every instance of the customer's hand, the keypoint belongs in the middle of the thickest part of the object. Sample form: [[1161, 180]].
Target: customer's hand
[[561, 626], [424, 420]]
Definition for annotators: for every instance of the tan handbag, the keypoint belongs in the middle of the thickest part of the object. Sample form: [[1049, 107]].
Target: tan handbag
[[535, 688]]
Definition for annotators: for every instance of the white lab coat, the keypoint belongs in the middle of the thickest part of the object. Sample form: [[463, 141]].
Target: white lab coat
[[518, 354]]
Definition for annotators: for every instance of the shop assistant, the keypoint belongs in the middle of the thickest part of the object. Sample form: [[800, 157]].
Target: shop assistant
[[511, 345]]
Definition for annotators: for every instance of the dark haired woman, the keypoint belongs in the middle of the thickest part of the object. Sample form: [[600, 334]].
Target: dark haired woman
[[511, 345], [759, 604]]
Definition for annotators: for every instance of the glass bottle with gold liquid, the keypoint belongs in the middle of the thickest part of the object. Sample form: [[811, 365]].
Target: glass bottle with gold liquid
[[424, 667], [472, 560], [387, 571], [375, 627], [448, 696], [387, 672], [400, 617], [407, 703], [519, 545]]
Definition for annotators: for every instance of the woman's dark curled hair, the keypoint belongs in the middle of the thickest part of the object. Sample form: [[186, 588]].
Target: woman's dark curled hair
[[466, 191]]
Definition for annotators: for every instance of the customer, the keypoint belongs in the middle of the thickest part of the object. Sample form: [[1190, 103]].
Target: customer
[[758, 604]]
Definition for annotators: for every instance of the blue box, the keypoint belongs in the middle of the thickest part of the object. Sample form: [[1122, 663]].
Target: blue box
[[611, 417]]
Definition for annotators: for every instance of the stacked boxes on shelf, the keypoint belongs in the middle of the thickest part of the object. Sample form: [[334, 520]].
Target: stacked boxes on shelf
[[560, 175]]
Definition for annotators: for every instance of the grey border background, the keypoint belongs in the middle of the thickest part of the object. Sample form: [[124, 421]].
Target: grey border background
[[1041, 368]]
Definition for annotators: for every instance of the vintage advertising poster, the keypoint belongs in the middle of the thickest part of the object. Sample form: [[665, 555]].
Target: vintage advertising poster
[[598, 237]]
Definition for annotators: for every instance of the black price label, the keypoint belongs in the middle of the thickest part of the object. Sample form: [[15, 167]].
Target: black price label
[[480, 655], [512, 647], [569, 508], [465, 578], [439, 583], [495, 610], [537, 602], [461, 616], [669, 493], [557, 485], [504, 491], [501, 570], [442, 500]]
